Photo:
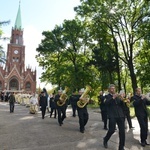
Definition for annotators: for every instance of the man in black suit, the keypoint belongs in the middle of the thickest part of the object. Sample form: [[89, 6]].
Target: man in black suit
[[115, 116], [61, 110], [103, 108], [73, 101], [43, 103], [12, 101], [82, 112], [140, 102]]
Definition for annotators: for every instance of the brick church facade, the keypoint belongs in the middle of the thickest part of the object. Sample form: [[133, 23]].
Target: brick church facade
[[14, 76]]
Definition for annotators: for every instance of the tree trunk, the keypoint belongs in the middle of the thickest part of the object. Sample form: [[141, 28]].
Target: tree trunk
[[132, 75]]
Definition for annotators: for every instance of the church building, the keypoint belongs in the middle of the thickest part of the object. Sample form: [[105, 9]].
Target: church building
[[14, 76]]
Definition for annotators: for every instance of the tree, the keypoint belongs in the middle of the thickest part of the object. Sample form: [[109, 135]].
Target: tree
[[127, 24], [65, 56], [2, 53]]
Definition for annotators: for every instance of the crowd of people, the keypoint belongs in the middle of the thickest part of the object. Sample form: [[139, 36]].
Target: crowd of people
[[115, 110]]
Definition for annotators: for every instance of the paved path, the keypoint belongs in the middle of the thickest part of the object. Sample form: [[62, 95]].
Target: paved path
[[23, 131]]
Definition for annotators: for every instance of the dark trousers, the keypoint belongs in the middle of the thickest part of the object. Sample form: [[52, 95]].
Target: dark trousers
[[83, 118], [11, 107], [74, 109], [61, 114], [55, 112], [111, 130], [104, 118], [43, 109], [127, 115], [143, 122]]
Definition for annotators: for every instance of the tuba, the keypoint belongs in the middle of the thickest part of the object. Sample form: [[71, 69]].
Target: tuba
[[63, 97], [82, 102]]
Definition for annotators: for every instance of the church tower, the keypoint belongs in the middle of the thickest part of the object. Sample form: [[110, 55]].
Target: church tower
[[15, 77]]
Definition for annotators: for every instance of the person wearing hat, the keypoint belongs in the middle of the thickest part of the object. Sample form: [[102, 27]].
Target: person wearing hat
[[43, 103], [82, 113]]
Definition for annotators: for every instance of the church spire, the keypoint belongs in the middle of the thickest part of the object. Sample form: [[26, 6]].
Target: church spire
[[18, 24]]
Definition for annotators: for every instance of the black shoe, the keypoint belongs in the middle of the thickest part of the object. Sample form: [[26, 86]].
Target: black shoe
[[146, 143], [131, 127], [105, 128], [105, 143], [82, 131], [143, 144], [121, 148], [60, 124]]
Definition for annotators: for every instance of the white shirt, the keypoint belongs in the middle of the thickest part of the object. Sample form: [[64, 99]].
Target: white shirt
[[33, 100]]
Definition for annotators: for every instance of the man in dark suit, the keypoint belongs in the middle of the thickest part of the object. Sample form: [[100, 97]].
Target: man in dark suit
[[73, 101], [103, 108], [12, 100], [126, 107], [115, 116], [53, 106], [61, 110], [82, 113], [43, 103], [140, 102]]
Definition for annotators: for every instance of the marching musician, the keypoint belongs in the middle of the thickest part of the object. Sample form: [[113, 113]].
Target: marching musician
[[73, 101], [103, 108], [53, 106], [33, 104], [43, 103], [82, 113], [61, 110], [126, 107], [140, 103], [115, 116]]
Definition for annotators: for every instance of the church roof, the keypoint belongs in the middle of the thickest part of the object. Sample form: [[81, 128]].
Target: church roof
[[18, 23]]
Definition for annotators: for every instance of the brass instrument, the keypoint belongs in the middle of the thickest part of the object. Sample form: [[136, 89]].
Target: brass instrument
[[63, 97], [84, 99], [127, 102]]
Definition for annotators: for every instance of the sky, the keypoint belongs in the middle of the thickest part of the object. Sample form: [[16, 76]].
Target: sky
[[37, 16]]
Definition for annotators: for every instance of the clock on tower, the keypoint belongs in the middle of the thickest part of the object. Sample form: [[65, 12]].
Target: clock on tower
[[15, 51]]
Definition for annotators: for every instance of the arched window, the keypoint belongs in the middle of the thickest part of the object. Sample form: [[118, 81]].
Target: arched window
[[28, 86], [14, 85]]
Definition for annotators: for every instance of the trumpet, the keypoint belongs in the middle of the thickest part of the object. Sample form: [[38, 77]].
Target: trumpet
[[124, 99]]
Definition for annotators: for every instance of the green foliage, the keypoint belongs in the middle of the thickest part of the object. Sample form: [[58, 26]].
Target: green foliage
[[2, 53], [65, 57], [107, 42]]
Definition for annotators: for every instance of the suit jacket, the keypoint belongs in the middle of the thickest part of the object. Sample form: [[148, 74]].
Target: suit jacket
[[73, 99], [114, 106], [43, 101], [101, 100], [140, 106]]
